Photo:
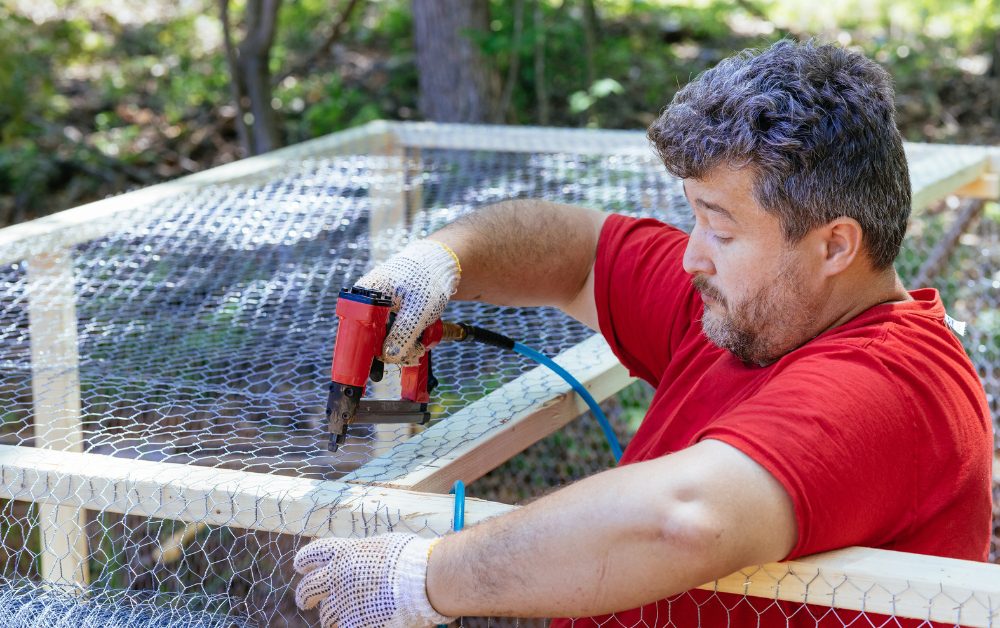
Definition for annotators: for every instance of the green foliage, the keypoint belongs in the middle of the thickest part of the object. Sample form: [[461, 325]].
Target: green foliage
[[28, 100], [340, 107], [582, 101], [91, 103], [26, 70]]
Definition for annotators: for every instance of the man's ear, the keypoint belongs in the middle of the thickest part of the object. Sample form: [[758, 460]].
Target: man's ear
[[843, 242]]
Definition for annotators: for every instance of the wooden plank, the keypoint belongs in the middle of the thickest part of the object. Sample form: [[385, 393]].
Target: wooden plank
[[875, 581], [254, 501], [387, 232], [97, 219], [388, 216], [956, 592], [523, 139], [994, 155], [55, 388], [171, 550], [491, 430], [986, 187], [938, 170]]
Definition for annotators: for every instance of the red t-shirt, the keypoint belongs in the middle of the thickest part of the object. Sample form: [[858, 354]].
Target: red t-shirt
[[878, 429]]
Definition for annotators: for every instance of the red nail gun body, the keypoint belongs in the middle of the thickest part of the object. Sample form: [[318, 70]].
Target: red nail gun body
[[365, 320]]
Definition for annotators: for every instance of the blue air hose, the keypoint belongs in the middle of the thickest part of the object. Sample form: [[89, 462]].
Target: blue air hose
[[609, 434], [458, 522], [485, 336], [498, 340], [459, 492]]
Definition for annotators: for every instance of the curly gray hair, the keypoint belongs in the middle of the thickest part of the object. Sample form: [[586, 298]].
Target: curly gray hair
[[815, 123]]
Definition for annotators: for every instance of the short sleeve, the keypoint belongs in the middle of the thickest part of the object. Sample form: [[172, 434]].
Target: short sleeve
[[645, 301], [835, 430]]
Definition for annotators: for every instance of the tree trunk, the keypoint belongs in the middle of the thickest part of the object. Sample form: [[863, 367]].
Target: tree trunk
[[541, 91], [254, 60], [995, 69], [457, 84], [514, 68], [251, 74], [591, 37]]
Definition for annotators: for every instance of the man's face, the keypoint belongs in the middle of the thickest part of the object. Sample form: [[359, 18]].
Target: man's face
[[761, 293]]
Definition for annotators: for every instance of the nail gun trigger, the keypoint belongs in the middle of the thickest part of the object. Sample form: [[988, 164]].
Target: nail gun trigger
[[432, 381], [377, 370]]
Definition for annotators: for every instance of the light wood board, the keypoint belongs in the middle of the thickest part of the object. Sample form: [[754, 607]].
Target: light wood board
[[492, 429], [955, 592], [224, 497]]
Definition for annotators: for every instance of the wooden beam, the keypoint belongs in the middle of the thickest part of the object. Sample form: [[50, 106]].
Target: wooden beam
[[498, 425], [55, 389], [388, 215], [97, 219], [986, 187], [223, 497], [954, 592], [994, 154], [938, 170], [874, 581], [523, 139], [388, 219], [171, 550]]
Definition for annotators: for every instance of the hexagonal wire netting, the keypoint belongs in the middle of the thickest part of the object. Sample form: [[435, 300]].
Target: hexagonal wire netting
[[204, 327]]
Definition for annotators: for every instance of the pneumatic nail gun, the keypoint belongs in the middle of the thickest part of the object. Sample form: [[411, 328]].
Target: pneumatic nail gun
[[365, 320]]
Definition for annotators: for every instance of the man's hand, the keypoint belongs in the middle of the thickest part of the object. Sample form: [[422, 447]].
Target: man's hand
[[376, 582], [420, 279]]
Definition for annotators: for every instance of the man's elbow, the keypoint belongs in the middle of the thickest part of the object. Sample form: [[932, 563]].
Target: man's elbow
[[705, 543], [696, 543], [688, 527]]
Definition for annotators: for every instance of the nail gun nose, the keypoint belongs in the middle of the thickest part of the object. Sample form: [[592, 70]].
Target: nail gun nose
[[335, 441], [341, 408]]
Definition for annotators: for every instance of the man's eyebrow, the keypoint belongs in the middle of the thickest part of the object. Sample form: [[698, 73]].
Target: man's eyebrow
[[719, 209]]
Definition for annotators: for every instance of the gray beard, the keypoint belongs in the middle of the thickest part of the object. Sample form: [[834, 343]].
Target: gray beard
[[746, 345], [764, 327]]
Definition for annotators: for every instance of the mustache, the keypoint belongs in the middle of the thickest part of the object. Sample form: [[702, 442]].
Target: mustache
[[701, 285]]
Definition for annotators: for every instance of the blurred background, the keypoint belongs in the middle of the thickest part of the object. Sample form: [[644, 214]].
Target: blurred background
[[101, 97]]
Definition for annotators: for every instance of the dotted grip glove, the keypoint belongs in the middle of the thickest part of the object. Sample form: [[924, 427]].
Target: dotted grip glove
[[376, 582], [420, 278]]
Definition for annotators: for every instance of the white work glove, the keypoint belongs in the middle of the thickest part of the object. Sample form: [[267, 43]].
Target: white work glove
[[420, 279], [376, 582]]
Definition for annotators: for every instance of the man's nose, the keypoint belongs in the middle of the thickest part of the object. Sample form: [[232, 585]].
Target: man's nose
[[696, 259]]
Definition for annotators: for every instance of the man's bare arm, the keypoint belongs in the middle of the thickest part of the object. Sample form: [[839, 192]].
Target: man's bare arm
[[619, 539], [528, 252]]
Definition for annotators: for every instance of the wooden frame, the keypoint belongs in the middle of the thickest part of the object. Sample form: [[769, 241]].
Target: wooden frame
[[385, 492], [539, 402], [958, 592], [944, 170], [223, 497], [55, 387]]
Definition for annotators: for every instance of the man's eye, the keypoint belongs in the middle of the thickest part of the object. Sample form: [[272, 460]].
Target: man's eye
[[720, 239]]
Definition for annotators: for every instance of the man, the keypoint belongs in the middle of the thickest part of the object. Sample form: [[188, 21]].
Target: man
[[804, 401]]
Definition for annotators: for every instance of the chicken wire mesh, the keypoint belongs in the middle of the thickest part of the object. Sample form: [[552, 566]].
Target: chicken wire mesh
[[26, 604], [199, 335]]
